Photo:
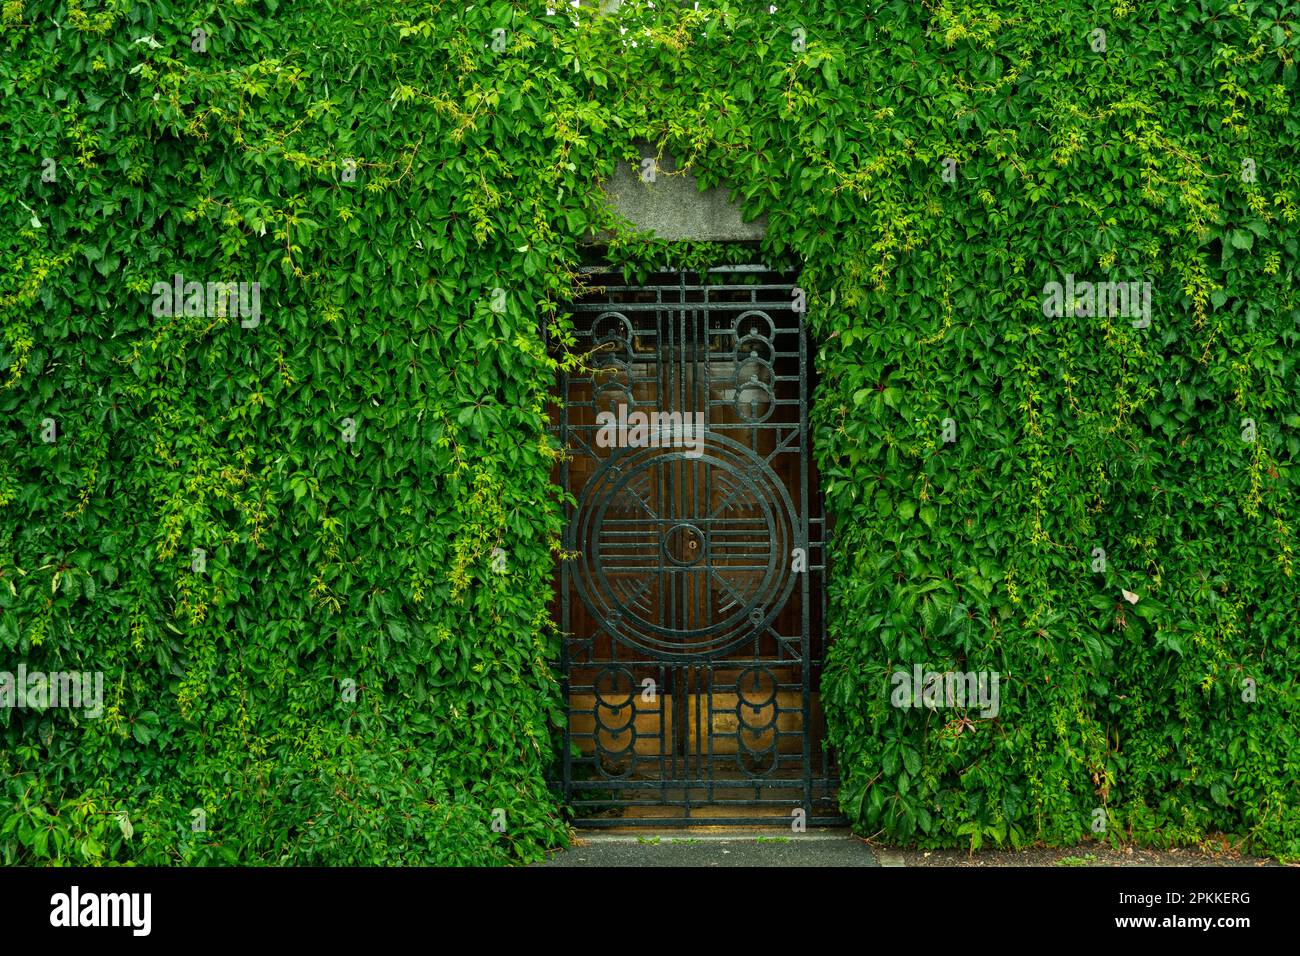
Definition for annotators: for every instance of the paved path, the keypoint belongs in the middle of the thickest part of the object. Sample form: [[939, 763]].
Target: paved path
[[735, 848]]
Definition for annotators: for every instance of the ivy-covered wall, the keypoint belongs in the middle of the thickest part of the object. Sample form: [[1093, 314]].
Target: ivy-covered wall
[[309, 546]]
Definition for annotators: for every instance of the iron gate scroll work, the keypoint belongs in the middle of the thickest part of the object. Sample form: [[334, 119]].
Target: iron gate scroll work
[[691, 600]]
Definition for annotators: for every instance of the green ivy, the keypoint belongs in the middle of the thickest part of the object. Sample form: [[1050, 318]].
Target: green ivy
[[356, 676]]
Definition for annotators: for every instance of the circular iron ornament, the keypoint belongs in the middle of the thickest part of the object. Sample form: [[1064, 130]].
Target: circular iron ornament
[[754, 400], [752, 581], [756, 690], [753, 324], [753, 370], [753, 408], [610, 685], [685, 545], [613, 394], [611, 336], [607, 696], [613, 357], [611, 327], [759, 350], [757, 762]]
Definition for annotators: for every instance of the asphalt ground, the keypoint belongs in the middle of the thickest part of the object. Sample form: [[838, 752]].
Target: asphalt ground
[[677, 848]]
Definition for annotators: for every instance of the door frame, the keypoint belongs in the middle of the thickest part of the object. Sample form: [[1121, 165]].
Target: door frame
[[680, 799]]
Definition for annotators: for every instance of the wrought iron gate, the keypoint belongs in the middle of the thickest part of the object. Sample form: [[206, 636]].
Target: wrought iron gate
[[691, 597]]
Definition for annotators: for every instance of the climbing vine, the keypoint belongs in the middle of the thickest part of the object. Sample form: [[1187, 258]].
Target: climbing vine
[[307, 536]]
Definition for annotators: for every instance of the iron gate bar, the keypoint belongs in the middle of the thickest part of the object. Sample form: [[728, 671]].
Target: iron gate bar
[[682, 575]]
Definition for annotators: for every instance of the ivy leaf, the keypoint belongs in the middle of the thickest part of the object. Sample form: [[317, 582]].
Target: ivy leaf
[[912, 761]]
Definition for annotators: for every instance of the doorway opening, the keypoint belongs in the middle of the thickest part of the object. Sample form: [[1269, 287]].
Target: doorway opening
[[691, 600]]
